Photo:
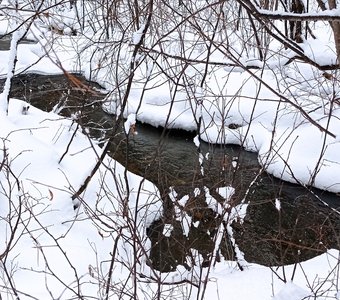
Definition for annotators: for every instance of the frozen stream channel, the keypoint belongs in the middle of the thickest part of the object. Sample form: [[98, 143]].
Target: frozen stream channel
[[307, 224]]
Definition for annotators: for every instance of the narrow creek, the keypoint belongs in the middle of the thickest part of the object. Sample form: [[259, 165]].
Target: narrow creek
[[307, 224]]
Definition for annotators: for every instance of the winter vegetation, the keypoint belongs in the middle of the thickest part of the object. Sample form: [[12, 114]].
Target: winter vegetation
[[263, 75]]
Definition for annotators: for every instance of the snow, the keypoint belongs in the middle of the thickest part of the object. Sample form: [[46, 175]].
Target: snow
[[278, 204], [129, 124], [61, 253], [34, 143], [226, 192], [180, 211], [291, 291], [136, 36], [17, 35], [168, 228]]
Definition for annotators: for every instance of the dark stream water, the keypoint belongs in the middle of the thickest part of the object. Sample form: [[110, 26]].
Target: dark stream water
[[303, 228]]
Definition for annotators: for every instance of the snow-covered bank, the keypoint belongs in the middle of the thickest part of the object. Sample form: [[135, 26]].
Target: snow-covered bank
[[46, 246]]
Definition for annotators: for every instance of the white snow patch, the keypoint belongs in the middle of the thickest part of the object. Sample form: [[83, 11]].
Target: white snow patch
[[277, 204], [226, 192], [130, 123], [168, 228]]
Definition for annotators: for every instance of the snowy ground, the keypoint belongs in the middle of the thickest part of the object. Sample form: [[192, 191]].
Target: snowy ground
[[54, 241], [58, 253]]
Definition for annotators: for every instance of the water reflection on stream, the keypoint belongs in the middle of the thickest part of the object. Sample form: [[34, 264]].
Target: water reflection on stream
[[303, 228]]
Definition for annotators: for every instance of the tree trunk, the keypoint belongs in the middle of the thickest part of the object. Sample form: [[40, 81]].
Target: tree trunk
[[336, 30], [335, 26], [295, 27]]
